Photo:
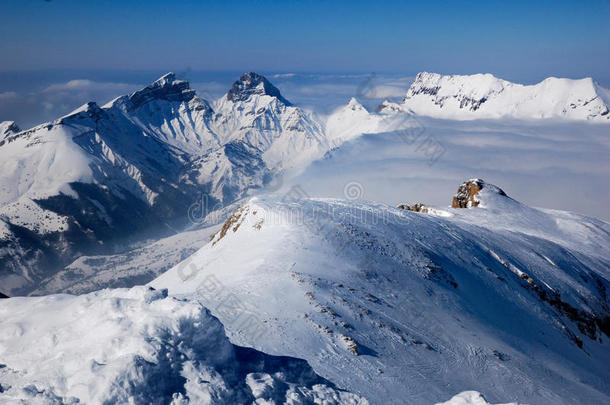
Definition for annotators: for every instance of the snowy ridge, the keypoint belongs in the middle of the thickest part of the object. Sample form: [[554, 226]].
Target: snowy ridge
[[485, 96], [406, 300]]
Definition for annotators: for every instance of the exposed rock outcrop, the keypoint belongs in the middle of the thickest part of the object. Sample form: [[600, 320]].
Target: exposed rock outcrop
[[417, 207], [8, 128], [254, 84], [467, 194]]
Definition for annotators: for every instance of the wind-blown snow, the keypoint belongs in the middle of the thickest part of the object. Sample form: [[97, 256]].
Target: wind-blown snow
[[134, 267]]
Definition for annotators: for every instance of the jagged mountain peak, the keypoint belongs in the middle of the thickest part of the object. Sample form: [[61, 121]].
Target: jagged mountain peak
[[89, 110], [476, 85], [156, 151], [88, 107], [354, 104], [422, 76], [167, 88], [167, 79], [252, 83]]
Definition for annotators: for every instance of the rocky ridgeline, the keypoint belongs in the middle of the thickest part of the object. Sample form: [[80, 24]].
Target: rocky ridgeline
[[467, 196]]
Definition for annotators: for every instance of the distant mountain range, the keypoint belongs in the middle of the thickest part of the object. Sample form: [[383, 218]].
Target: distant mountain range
[[102, 178], [486, 96]]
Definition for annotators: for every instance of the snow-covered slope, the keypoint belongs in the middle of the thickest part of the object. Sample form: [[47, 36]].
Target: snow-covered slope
[[139, 346], [485, 96], [102, 177], [406, 307]]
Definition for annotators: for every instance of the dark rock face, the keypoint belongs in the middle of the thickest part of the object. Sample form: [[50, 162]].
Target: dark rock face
[[250, 84], [3, 296], [471, 103], [12, 128], [465, 197], [418, 88], [166, 88]]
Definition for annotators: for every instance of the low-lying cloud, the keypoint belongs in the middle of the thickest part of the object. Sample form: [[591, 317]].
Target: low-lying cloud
[[30, 108]]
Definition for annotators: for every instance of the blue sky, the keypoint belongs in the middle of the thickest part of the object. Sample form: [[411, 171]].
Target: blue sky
[[517, 40], [60, 54]]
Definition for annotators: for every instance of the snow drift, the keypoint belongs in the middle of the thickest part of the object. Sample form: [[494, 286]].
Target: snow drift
[[140, 346]]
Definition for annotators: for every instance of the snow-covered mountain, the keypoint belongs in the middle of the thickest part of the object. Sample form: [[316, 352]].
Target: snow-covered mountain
[[350, 121], [412, 307], [485, 96], [255, 113], [100, 178]]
